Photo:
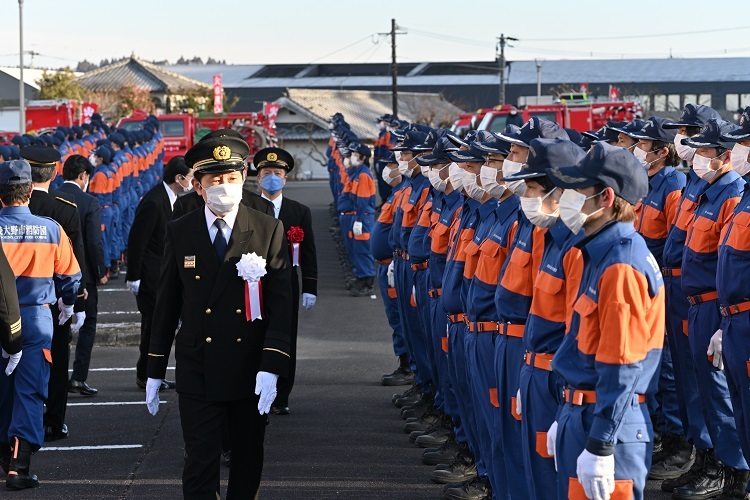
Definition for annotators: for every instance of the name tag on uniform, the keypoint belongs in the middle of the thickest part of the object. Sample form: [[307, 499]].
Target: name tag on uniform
[[190, 262]]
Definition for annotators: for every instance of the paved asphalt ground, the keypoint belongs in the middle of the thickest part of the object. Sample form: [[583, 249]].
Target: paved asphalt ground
[[344, 438]]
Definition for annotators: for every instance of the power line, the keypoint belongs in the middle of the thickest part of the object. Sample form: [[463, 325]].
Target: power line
[[633, 37], [368, 37]]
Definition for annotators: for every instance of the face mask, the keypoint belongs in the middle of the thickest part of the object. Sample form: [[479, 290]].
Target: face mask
[[685, 152], [92, 160], [571, 203], [510, 168], [438, 183], [488, 176], [86, 186], [356, 162], [701, 169], [641, 155], [380, 125], [272, 183], [425, 170], [403, 168], [455, 176], [223, 198], [470, 185], [739, 159], [347, 162], [532, 208]]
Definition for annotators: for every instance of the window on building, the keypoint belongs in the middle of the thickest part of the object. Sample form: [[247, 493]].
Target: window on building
[[645, 102], [689, 98], [732, 101], [673, 102], [704, 99], [660, 102], [744, 100]]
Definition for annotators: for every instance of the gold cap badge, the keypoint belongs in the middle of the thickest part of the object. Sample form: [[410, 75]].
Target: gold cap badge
[[222, 153], [272, 157]]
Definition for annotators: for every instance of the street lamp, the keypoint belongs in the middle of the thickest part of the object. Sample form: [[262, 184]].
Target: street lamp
[[21, 99]]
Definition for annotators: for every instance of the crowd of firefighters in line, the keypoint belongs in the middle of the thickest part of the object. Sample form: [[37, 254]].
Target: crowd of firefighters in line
[[541, 342]]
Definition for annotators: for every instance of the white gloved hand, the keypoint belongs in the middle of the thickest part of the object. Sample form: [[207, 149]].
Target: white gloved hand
[[308, 301], [518, 402], [152, 395], [390, 276], [715, 349], [265, 387], [596, 474], [133, 286], [66, 312], [357, 229], [13, 362], [80, 318], [552, 441]]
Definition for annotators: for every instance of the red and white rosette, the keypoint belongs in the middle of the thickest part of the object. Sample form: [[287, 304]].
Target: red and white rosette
[[251, 268], [295, 236]]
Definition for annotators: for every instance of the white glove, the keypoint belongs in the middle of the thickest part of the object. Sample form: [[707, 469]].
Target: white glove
[[80, 318], [596, 474], [66, 312], [265, 387], [715, 349], [390, 276], [518, 402], [552, 441], [308, 301], [13, 362], [133, 286], [357, 229], [152, 395]]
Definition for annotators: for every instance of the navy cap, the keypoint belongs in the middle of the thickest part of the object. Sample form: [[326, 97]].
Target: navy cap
[[219, 155], [629, 128], [535, 128], [743, 132], [473, 154], [358, 147], [272, 157], [710, 135], [222, 132], [548, 153], [118, 139], [399, 134], [439, 153], [605, 164], [573, 135], [40, 156], [104, 153], [384, 118], [429, 141], [654, 130], [5, 152], [412, 138], [392, 159], [496, 145], [15, 153], [694, 115], [15, 172]]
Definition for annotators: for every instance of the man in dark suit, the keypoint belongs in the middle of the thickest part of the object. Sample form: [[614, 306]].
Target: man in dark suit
[[76, 174], [273, 165], [145, 248], [62, 208], [222, 347]]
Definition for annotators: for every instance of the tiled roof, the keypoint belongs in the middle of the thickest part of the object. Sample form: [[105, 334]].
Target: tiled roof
[[143, 75]]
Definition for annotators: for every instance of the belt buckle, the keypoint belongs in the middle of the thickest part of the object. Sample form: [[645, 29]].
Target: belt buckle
[[576, 398], [694, 300], [724, 311]]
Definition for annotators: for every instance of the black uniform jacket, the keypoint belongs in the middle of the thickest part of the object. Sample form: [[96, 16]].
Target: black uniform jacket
[[146, 239], [217, 351], [10, 312], [91, 229], [294, 213]]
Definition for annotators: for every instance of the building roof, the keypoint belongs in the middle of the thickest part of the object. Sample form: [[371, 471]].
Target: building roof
[[143, 75], [362, 107], [301, 132], [231, 74], [30, 75]]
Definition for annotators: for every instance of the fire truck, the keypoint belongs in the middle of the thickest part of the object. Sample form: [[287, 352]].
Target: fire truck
[[45, 115]]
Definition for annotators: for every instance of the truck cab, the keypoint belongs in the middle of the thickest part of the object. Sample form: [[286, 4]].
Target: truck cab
[[178, 131]]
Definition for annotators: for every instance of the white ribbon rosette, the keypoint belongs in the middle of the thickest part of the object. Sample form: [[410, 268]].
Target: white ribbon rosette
[[251, 268]]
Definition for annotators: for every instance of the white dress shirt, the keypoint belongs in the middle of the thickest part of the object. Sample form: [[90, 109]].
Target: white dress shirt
[[171, 195], [276, 203], [228, 218]]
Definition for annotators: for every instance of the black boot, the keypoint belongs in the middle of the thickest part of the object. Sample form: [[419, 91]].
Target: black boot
[[437, 436], [357, 288], [708, 484], [443, 455], [408, 392], [675, 459], [735, 484], [424, 422], [669, 485], [19, 477], [461, 469], [5, 457], [411, 399], [477, 488], [401, 375]]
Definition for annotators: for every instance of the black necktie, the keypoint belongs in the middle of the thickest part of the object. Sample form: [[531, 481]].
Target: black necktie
[[220, 242]]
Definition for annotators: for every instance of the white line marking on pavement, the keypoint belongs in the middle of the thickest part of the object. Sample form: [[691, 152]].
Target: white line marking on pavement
[[117, 312], [113, 403], [103, 447], [113, 290], [116, 369]]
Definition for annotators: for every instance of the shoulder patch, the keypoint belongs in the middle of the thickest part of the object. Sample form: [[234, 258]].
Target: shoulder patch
[[66, 201]]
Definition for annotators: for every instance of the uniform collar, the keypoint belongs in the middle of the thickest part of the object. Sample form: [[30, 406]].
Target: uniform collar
[[560, 232], [487, 207], [599, 244], [276, 201], [36, 188], [228, 218], [507, 208], [170, 194], [15, 210], [656, 180], [715, 189]]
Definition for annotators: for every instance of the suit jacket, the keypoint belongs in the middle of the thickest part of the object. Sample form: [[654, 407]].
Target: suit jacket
[[218, 352], [193, 201], [146, 239], [89, 212], [10, 311], [294, 213]]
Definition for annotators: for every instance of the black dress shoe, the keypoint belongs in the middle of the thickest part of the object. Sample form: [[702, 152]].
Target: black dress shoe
[[280, 410], [82, 388], [51, 434]]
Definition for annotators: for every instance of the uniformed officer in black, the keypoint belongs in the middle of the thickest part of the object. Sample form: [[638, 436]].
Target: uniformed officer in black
[[226, 366], [76, 174], [62, 208], [273, 165]]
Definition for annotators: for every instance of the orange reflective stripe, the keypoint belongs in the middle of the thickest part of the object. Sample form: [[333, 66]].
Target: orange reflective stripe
[[47, 355], [32, 260], [493, 397], [685, 324], [392, 293], [541, 445], [513, 408], [444, 344]]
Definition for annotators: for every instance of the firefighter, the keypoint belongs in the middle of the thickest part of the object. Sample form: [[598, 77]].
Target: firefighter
[[729, 344], [100, 187], [601, 440], [625, 134], [381, 154]]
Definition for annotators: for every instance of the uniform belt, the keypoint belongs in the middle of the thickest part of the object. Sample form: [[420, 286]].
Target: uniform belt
[[483, 326], [539, 360], [348, 213], [401, 253], [34, 305], [457, 318], [385, 261], [704, 297], [420, 266], [511, 330], [735, 309], [435, 292], [671, 272], [579, 398]]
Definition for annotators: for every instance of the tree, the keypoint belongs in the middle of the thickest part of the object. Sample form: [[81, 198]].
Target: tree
[[194, 100], [61, 84], [85, 66]]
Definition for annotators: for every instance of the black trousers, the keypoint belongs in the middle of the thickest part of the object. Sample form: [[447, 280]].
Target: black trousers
[[202, 423], [57, 389], [285, 384], [146, 301], [86, 336]]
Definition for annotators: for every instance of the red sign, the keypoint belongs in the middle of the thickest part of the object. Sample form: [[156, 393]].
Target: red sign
[[87, 111], [218, 101], [614, 93], [271, 109], [583, 88]]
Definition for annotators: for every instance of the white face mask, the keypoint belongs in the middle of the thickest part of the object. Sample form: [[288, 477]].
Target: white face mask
[[701, 167], [488, 176], [641, 155], [739, 159], [223, 198], [403, 168], [380, 125], [438, 183], [510, 168], [532, 208], [425, 170], [470, 185], [455, 176], [685, 152], [571, 203], [356, 162], [386, 175], [347, 162]]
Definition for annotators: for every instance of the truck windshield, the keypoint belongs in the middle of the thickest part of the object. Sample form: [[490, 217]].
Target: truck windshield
[[168, 128]]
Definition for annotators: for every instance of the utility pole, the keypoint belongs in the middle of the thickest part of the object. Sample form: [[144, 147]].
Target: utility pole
[[394, 65], [503, 40], [21, 98], [538, 79]]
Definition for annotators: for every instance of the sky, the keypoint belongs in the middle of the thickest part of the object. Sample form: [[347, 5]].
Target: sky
[[327, 31]]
